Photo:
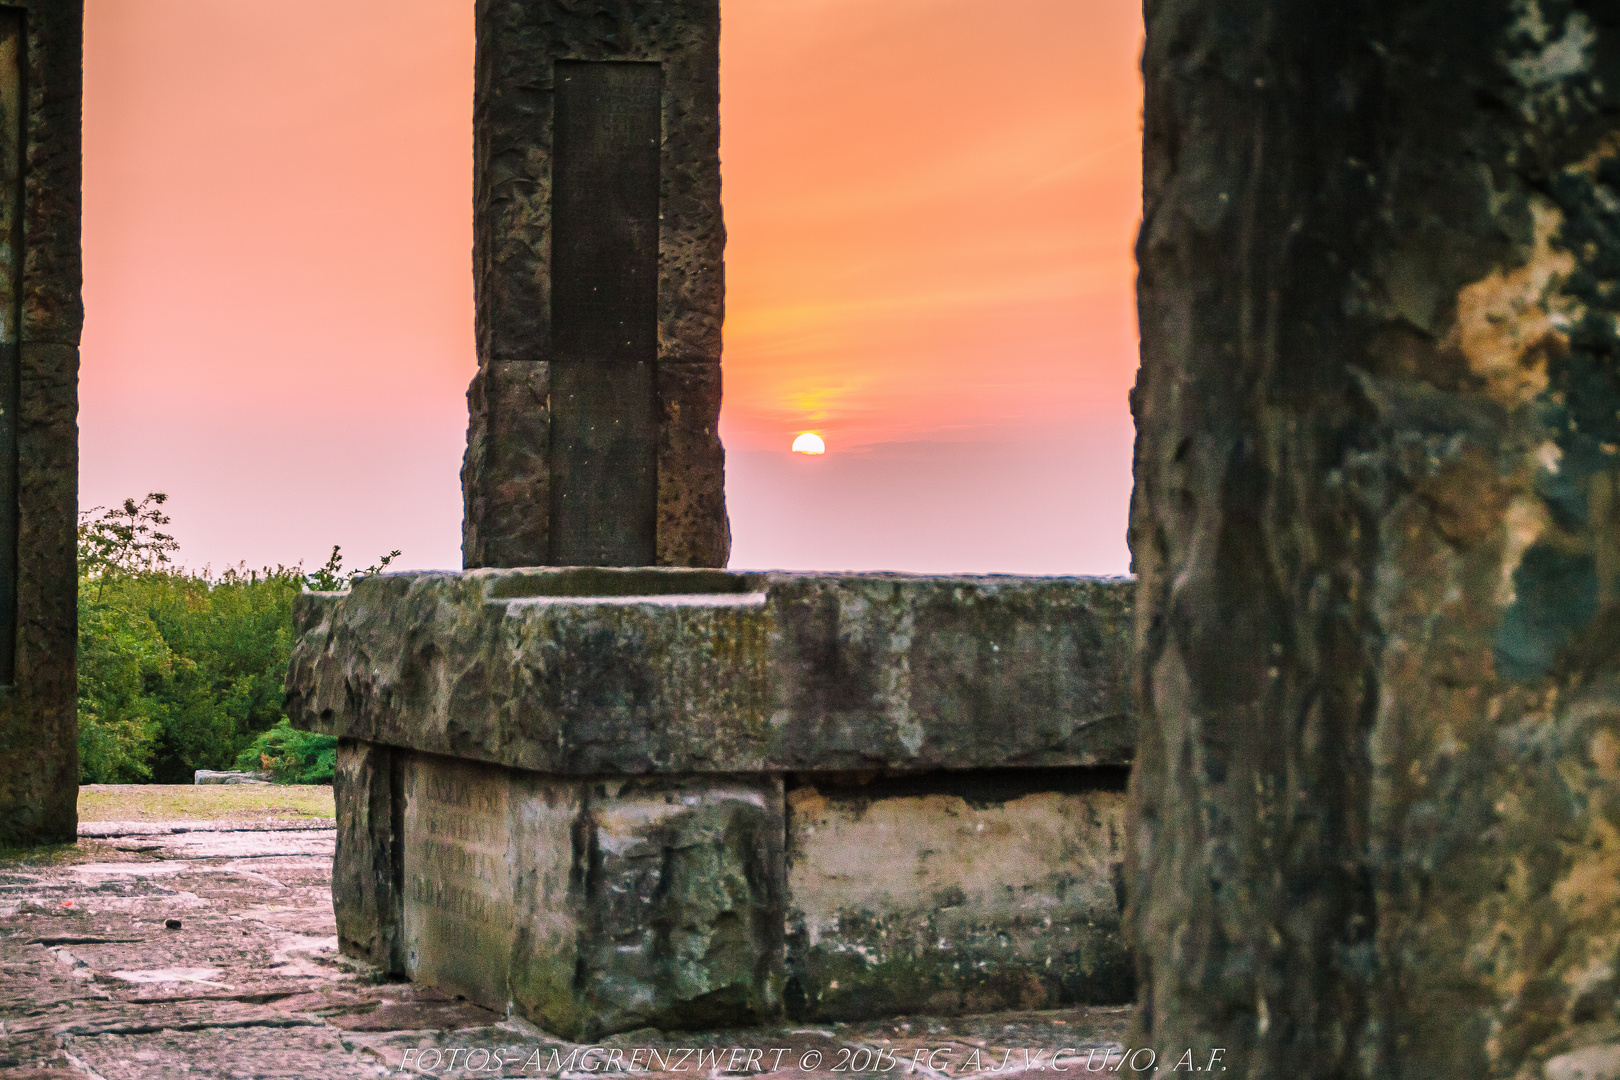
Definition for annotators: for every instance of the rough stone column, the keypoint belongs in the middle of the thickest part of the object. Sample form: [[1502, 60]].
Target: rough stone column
[[41, 75], [1376, 807], [597, 265]]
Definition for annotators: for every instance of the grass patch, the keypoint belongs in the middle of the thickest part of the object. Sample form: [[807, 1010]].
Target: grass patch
[[51, 854], [204, 802]]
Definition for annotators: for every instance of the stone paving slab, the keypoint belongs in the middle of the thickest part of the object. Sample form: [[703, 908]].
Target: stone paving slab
[[95, 983]]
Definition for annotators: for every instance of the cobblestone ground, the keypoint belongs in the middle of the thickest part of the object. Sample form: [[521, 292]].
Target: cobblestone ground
[[207, 949]]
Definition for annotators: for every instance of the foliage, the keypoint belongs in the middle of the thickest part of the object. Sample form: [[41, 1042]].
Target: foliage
[[181, 671], [126, 539], [293, 756], [331, 577], [121, 654]]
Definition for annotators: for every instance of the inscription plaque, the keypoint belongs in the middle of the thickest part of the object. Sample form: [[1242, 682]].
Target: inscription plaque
[[604, 251], [458, 877], [604, 297], [488, 855]]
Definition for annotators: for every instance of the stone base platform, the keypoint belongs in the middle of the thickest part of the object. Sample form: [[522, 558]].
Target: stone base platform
[[607, 800]]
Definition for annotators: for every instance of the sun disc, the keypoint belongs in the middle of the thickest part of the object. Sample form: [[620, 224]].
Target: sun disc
[[809, 442]]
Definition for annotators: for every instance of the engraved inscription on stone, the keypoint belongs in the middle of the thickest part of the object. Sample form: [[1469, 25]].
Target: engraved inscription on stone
[[604, 313], [13, 102], [457, 876]]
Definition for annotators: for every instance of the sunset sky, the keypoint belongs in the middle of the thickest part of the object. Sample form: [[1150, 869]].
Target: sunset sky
[[930, 207]]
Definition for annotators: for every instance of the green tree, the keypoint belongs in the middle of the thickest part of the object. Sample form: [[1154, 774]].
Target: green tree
[[180, 671], [121, 655], [230, 638]]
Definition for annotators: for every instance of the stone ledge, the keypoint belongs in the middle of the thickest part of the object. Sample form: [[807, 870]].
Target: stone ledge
[[593, 671]]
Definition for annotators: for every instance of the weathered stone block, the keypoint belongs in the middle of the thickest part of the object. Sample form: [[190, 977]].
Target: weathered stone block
[[549, 684], [506, 474], [683, 904], [693, 529], [584, 672], [367, 865], [593, 906], [907, 671], [1376, 810], [229, 776], [486, 858], [955, 893], [541, 194]]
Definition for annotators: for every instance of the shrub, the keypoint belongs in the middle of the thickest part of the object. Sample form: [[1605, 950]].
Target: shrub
[[180, 671], [292, 756], [120, 655]]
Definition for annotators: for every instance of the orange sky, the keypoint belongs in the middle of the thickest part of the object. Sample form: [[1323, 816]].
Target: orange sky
[[930, 211]]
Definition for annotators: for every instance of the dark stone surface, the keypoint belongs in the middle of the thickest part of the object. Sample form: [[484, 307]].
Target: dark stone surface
[[604, 464], [518, 44], [13, 140], [53, 311], [1375, 531], [38, 719], [604, 313], [604, 194], [758, 673], [692, 526], [366, 866], [507, 470]]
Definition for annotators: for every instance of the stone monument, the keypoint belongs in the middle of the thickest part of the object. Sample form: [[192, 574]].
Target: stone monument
[[626, 790], [597, 246], [1376, 811], [41, 74], [689, 798]]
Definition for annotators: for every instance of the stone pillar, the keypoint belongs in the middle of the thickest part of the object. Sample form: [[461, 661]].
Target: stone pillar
[[597, 244], [41, 70], [1377, 531]]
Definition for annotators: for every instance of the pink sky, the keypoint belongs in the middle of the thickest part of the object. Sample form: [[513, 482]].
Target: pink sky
[[930, 212]]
